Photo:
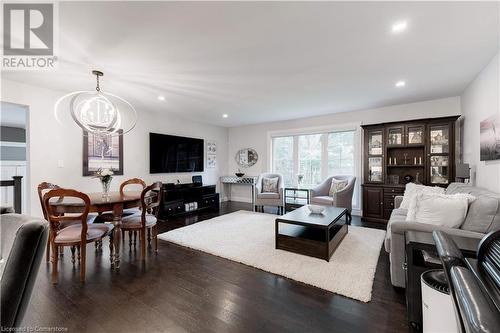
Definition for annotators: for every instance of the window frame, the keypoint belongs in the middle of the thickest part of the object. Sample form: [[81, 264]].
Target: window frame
[[324, 130]]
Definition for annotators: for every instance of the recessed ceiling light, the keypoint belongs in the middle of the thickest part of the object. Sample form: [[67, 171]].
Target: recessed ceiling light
[[161, 98], [399, 26], [225, 115], [400, 84]]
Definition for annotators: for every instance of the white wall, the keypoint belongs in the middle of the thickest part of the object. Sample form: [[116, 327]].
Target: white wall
[[481, 100], [256, 136], [50, 142]]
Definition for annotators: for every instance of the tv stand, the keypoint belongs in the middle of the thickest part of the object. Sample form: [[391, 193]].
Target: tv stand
[[175, 196]]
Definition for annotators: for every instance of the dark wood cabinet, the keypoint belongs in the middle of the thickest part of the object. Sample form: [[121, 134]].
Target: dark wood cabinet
[[420, 151], [373, 197]]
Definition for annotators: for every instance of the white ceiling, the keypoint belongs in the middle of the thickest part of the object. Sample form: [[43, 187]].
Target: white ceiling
[[262, 62]]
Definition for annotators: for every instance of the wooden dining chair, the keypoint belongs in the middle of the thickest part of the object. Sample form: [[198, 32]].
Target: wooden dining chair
[[108, 216], [44, 188], [146, 220], [76, 235]]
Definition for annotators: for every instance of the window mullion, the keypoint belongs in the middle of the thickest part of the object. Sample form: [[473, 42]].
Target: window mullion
[[295, 159]]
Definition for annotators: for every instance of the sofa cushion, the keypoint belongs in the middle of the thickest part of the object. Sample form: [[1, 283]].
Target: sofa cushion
[[411, 190], [484, 213], [322, 200], [270, 184], [337, 185], [440, 209], [268, 195]]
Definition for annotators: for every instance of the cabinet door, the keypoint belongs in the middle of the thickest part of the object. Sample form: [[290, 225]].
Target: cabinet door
[[395, 136], [415, 135], [374, 156], [439, 154], [373, 202]]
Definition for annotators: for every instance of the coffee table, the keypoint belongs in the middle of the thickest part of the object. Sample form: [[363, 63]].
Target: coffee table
[[314, 235]]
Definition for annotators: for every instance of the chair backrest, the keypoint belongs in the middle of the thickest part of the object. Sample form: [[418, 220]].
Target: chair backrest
[[55, 218], [133, 181], [269, 175], [20, 271], [151, 199], [42, 189]]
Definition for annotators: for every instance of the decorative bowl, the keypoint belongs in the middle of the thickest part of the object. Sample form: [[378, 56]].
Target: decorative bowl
[[239, 174], [316, 209]]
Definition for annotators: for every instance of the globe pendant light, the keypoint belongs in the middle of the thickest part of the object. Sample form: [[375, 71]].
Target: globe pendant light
[[98, 112]]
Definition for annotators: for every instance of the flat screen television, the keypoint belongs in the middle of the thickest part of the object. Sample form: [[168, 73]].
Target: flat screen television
[[170, 153]]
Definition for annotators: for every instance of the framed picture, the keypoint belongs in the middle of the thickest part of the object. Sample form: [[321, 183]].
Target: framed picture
[[489, 138], [211, 147], [102, 152], [211, 161]]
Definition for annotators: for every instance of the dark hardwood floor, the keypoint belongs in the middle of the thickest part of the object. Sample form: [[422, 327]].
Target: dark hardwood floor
[[181, 290]]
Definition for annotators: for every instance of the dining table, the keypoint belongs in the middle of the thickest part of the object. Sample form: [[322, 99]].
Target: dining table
[[113, 202]]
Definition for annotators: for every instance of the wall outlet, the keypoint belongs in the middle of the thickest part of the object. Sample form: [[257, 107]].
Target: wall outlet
[[60, 163]]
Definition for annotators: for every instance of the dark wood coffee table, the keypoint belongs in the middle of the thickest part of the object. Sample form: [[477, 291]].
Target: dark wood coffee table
[[314, 235]]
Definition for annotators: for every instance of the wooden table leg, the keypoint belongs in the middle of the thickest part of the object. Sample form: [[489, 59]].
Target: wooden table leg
[[117, 233]]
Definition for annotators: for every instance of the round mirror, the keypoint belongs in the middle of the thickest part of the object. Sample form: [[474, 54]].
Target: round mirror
[[246, 157]]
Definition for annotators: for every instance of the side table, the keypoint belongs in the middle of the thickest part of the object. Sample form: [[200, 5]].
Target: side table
[[416, 242]]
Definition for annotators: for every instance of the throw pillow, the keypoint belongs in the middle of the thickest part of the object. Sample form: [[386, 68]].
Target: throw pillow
[[413, 189], [270, 185], [439, 209], [337, 186]]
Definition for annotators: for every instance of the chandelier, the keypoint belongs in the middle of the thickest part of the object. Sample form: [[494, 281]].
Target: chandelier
[[97, 112]]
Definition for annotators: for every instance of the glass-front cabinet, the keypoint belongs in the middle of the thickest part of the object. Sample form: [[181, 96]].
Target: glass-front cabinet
[[415, 135], [395, 136], [420, 151], [439, 154], [375, 158]]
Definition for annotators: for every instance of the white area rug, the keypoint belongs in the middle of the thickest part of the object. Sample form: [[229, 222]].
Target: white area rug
[[248, 238]]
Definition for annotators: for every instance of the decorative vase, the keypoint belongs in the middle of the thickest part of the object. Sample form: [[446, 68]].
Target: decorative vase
[[105, 188]]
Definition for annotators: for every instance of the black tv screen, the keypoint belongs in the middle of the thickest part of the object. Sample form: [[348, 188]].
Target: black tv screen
[[170, 153]]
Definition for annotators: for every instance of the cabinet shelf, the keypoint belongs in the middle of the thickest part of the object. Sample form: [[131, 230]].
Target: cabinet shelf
[[405, 165]]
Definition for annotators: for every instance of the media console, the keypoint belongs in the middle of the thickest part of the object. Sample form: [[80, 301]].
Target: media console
[[175, 198]]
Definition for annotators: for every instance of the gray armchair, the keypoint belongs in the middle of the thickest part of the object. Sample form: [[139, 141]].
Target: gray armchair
[[269, 199], [320, 194]]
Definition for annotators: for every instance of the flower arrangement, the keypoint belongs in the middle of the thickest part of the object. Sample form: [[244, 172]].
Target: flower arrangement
[[105, 176]]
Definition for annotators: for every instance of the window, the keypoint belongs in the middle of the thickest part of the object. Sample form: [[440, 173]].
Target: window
[[309, 148], [341, 153], [308, 159], [282, 157]]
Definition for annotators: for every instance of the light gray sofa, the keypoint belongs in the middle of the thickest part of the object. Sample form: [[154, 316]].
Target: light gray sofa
[[482, 217], [320, 194]]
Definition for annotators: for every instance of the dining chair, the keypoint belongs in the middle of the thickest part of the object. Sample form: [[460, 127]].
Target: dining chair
[[76, 235], [44, 188], [146, 220], [108, 216]]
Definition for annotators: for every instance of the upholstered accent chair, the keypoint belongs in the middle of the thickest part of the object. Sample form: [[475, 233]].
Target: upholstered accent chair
[[263, 198], [23, 238], [343, 198]]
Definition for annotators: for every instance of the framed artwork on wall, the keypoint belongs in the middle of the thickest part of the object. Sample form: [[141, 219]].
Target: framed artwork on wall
[[102, 152], [489, 138], [211, 154]]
